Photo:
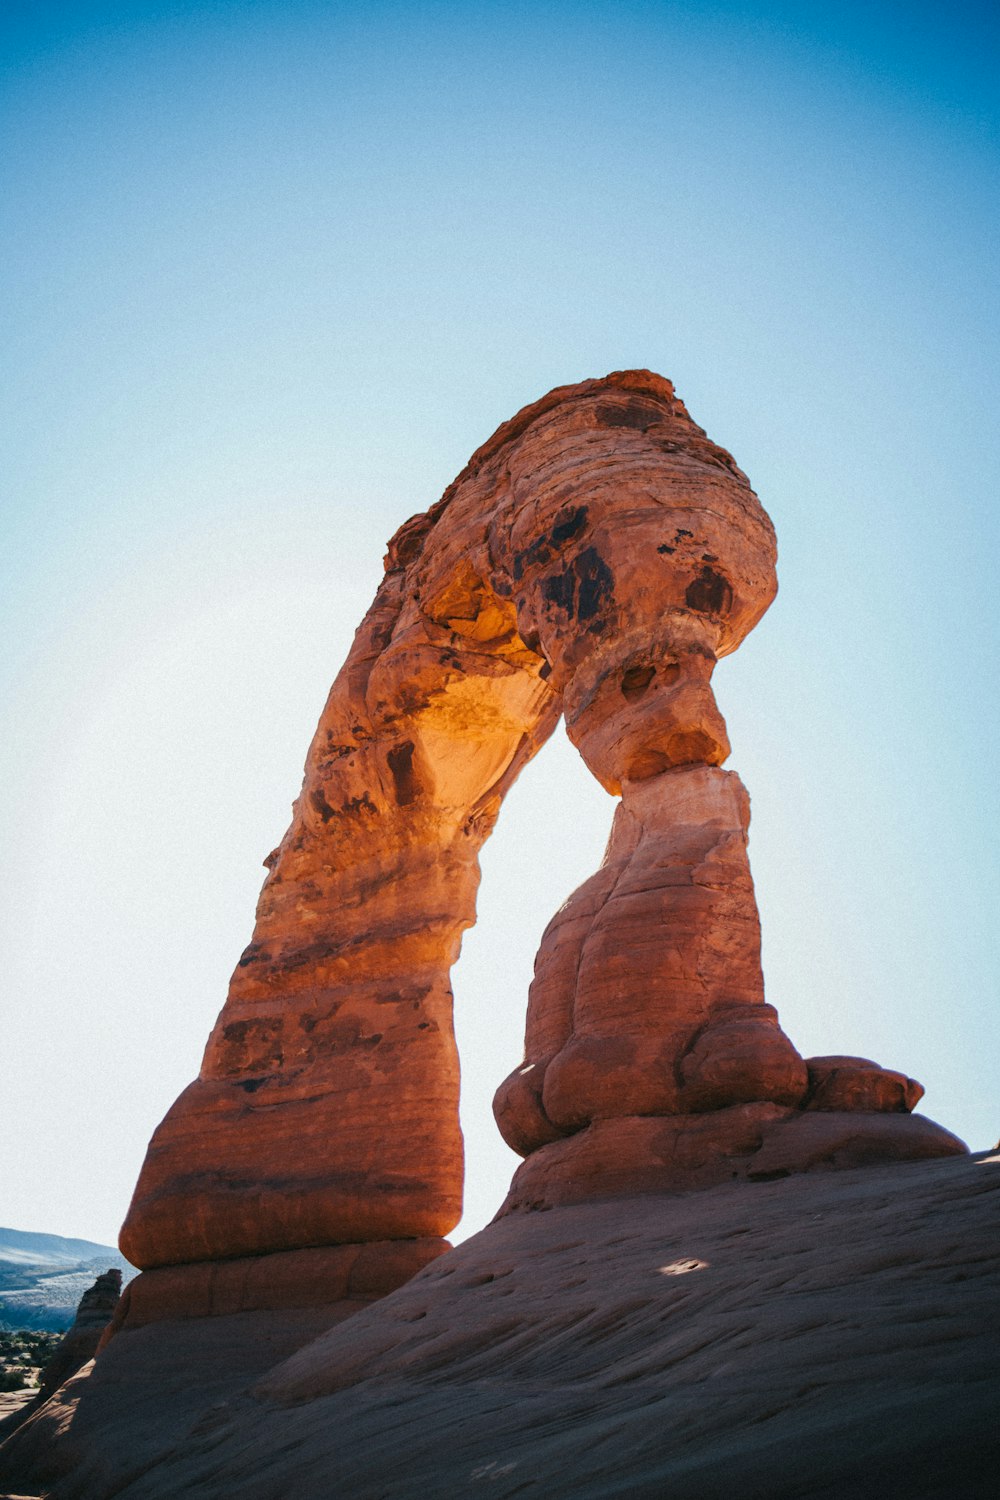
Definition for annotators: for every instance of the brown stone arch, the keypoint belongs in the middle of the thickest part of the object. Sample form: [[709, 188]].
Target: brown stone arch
[[593, 559]]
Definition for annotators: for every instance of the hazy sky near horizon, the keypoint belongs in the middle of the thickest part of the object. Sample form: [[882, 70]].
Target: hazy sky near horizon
[[272, 271]]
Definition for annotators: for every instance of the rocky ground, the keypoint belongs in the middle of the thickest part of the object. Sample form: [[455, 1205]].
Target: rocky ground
[[11, 1403], [821, 1335]]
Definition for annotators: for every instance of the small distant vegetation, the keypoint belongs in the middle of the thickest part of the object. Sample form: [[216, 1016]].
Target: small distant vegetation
[[22, 1355]]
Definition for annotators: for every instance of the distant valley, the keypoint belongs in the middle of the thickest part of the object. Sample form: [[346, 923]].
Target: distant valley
[[43, 1277]]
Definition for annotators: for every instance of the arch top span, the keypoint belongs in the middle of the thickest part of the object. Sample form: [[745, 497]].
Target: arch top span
[[594, 558]]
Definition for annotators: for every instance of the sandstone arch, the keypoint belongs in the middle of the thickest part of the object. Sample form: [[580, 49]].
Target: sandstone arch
[[594, 559]]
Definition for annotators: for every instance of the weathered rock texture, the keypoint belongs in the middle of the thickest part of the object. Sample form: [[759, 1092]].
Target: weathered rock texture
[[830, 1335], [75, 1349], [347, 1277], [594, 559], [648, 997], [79, 1344]]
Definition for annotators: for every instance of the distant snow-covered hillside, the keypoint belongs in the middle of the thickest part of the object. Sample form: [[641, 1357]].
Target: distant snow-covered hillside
[[25, 1248]]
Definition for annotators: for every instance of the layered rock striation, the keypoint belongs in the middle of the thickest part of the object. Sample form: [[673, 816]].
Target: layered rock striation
[[594, 560], [828, 1335]]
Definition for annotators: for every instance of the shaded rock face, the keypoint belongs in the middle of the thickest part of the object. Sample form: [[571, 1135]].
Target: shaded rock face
[[80, 1343], [340, 1277], [826, 1336], [594, 559]]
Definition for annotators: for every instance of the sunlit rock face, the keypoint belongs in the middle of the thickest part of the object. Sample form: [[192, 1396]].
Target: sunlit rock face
[[648, 997], [594, 559]]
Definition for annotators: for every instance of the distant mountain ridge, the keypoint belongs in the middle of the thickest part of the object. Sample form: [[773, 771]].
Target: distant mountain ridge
[[43, 1276], [26, 1248]]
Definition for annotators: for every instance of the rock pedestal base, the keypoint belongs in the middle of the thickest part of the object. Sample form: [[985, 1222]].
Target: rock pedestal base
[[751, 1142]]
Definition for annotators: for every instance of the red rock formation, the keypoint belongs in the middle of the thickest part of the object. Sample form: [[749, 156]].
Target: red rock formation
[[594, 559], [648, 997], [649, 1043], [79, 1344], [319, 1277], [833, 1334], [74, 1351]]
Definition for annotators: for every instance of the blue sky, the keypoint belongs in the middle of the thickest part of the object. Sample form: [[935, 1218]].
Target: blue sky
[[272, 272]]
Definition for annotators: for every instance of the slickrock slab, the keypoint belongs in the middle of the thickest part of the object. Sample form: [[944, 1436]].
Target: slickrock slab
[[12, 1410], [156, 1384], [821, 1336]]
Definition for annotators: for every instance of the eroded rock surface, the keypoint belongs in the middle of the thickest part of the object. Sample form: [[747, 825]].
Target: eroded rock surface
[[75, 1349], [822, 1336], [648, 997], [594, 560], [79, 1344], [322, 1276]]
